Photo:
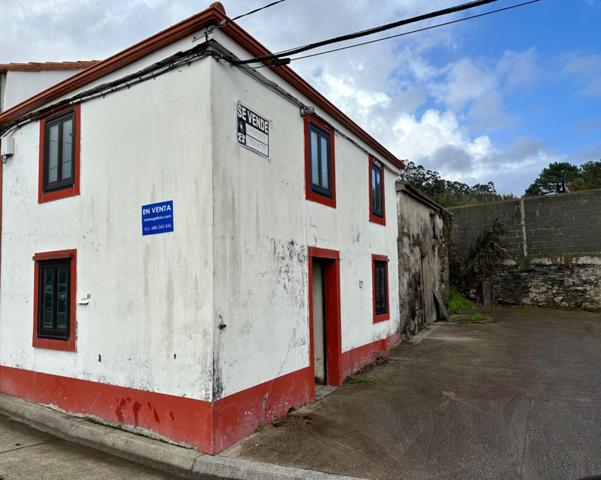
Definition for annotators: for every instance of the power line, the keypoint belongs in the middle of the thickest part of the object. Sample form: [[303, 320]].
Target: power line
[[431, 27], [255, 11], [369, 31]]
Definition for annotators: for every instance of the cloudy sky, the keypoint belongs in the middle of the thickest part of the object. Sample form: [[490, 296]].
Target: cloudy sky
[[496, 98]]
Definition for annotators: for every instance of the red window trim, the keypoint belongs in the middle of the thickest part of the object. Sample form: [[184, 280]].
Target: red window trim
[[383, 316], [73, 190], [64, 345], [375, 218], [310, 194]]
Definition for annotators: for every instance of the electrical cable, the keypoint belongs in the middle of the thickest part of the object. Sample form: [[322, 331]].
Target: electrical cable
[[369, 31], [412, 31], [254, 11], [177, 60]]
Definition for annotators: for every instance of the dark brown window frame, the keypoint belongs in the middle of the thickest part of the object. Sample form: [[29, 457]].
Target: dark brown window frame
[[380, 288], [54, 333], [376, 215], [321, 133], [44, 339], [314, 192], [63, 181]]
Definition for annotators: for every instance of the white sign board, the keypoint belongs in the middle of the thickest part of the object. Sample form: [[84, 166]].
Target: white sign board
[[253, 131]]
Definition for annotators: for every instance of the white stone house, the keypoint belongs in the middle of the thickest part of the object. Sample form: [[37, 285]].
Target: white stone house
[[189, 246]]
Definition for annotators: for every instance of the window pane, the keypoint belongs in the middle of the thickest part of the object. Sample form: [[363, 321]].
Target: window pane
[[62, 306], [374, 195], [67, 149], [48, 298], [378, 191], [325, 178], [314, 159], [380, 282], [53, 154]]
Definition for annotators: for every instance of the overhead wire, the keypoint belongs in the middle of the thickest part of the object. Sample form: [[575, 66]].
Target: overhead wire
[[255, 10], [242, 15], [430, 27], [369, 31]]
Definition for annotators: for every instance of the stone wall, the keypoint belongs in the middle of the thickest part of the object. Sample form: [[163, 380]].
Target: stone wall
[[423, 257], [559, 282], [554, 247]]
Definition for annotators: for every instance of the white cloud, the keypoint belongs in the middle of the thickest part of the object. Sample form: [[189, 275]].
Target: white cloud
[[586, 72], [436, 109]]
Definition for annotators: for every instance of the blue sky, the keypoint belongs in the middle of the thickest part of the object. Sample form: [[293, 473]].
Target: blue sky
[[496, 98]]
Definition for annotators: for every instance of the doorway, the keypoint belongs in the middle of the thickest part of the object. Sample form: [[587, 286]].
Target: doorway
[[324, 317]]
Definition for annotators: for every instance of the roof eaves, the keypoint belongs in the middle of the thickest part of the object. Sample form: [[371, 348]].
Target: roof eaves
[[211, 16], [208, 17], [406, 187]]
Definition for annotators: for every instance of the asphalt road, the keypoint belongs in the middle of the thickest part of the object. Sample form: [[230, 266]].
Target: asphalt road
[[27, 454], [519, 398]]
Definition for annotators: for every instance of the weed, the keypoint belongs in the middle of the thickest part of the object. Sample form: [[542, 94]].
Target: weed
[[457, 302]]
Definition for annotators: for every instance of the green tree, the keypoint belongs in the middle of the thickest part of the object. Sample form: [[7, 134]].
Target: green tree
[[590, 172], [555, 178]]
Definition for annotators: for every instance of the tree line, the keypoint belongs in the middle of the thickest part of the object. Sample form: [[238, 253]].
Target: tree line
[[556, 178]]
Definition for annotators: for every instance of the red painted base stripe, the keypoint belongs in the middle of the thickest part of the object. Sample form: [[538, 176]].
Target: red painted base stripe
[[357, 358], [209, 427], [181, 419], [238, 415]]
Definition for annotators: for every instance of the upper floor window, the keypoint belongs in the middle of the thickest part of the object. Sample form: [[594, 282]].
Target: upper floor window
[[377, 208], [320, 168], [59, 155]]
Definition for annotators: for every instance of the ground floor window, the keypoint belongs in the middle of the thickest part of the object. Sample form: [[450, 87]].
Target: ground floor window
[[380, 288], [54, 291]]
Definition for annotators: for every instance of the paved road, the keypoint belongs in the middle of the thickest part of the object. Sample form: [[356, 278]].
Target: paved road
[[516, 399], [26, 454]]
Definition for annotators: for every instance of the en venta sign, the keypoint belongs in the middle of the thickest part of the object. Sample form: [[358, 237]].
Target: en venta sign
[[253, 131]]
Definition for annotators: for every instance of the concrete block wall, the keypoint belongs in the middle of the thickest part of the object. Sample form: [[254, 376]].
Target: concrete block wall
[[553, 244], [568, 224]]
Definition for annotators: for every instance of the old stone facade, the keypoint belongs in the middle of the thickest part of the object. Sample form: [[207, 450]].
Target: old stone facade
[[554, 248], [424, 229]]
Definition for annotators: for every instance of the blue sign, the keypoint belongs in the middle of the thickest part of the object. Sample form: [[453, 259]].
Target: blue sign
[[157, 218]]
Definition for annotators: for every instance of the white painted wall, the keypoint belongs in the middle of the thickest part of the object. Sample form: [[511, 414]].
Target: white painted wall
[[174, 138], [20, 86], [150, 314], [263, 228]]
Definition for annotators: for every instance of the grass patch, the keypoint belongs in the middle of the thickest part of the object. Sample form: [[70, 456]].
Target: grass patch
[[362, 379], [473, 318], [457, 302]]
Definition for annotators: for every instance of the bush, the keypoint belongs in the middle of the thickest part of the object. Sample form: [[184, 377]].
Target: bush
[[482, 262]]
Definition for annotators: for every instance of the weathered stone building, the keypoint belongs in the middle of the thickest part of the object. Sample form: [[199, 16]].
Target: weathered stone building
[[554, 247], [424, 228]]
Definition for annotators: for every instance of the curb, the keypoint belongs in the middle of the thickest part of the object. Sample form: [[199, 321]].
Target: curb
[[183, 462]]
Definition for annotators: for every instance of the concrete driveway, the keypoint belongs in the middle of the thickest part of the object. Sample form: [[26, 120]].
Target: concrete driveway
[[519, 398]]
